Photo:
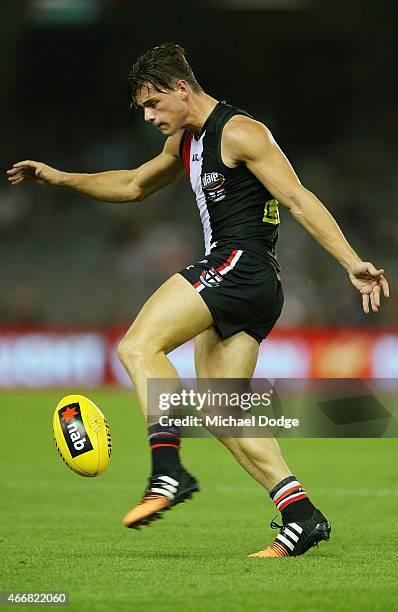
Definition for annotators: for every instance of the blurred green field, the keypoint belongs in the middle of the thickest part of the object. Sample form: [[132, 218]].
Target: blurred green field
[[60, 531]]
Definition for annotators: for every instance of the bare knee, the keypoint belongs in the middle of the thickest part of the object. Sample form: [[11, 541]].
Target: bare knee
[[134, 350]]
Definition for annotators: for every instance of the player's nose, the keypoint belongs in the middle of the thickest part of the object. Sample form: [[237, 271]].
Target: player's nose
[[149, 115]]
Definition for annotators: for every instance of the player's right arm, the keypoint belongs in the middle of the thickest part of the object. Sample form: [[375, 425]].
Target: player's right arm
[[250, 142], [113, 186]]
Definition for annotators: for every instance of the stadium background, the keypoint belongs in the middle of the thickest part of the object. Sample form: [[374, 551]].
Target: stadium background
[[319, 75], [74, 273]]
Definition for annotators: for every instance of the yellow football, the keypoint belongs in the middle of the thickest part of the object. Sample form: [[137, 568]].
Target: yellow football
[[82, 435]]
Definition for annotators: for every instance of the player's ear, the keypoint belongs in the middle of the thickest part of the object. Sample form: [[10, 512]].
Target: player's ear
[[182, 89]]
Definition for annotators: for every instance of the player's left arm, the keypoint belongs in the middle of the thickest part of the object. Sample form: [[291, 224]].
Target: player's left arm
[[248, 141]]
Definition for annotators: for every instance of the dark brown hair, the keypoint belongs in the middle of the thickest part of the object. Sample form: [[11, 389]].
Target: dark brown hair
[[161, 67]]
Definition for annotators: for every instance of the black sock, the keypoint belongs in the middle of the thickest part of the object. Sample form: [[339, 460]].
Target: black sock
[[165, 445], [291, 500]]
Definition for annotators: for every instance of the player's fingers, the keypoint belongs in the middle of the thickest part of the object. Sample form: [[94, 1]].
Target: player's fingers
[[376, 295], [372, 270], [13, 171], [365, 303], [18, 171], [25, 172], [17, 177], [373, 302], [12, 179], [18, 181], [368, 287], [384, 285], [26, 163]]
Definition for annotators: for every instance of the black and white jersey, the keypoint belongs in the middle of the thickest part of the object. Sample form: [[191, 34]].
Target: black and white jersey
[[234, 206]]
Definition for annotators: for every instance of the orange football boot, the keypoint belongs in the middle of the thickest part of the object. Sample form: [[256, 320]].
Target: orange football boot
[[295, 539], [164, 492]]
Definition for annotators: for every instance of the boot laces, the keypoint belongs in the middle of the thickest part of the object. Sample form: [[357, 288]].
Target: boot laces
[[274, 525]]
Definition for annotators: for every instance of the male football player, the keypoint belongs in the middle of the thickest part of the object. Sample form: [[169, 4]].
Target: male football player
[[230, 300]]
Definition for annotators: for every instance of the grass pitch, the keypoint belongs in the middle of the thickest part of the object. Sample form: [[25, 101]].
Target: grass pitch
[[60, 531]]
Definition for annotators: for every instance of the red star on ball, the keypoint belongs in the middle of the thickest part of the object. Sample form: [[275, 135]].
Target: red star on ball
[[69, 414]]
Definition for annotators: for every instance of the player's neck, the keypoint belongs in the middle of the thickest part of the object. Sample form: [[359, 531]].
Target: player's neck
[[201, 107]]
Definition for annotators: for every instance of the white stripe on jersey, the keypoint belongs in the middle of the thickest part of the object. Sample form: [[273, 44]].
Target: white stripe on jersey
[[232, 263], [196, 183]]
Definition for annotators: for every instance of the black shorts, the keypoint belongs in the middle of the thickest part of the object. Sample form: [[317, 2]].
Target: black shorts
[[241, 289]]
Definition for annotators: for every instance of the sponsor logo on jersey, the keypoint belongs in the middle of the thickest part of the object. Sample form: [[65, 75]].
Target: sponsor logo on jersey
[[74, 431], [212, 183], [271, 212], [212, 180], [211, 278]]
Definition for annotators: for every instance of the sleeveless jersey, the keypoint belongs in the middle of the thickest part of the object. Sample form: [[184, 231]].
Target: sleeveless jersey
[[235, 207]]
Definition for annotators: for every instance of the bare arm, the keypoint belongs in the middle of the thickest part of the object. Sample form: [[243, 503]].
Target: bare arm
[[246, 140], [113, 186]]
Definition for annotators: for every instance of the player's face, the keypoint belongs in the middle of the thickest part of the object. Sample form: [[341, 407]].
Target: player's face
[[166, 111]]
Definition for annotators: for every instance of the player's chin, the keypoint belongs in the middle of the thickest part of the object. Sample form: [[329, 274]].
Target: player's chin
[[168, 130]]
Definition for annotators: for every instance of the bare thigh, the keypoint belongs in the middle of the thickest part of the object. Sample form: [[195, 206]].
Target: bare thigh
[[233, 357], [174, 314]]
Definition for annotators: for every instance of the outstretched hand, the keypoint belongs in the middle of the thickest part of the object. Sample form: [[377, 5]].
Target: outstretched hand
[[29, 170], [369, 282]]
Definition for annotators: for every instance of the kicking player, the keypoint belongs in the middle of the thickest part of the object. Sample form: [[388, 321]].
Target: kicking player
[[230, 300]]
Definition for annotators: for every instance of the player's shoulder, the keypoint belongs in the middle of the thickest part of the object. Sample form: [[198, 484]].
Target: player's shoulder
[[242, 133], [242, 126], [173, 143]]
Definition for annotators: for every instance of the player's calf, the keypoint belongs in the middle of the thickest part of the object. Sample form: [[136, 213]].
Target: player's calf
[[170, 484]]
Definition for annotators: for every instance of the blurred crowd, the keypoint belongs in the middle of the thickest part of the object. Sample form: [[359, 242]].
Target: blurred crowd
[[69, 260]]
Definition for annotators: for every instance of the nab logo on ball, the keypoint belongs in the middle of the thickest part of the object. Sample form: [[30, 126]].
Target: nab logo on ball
[[82, 435], [75, 434]]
